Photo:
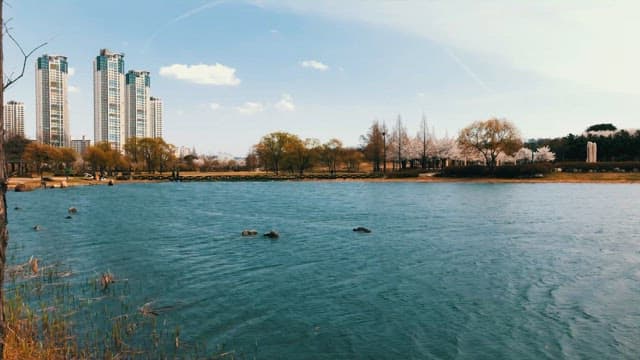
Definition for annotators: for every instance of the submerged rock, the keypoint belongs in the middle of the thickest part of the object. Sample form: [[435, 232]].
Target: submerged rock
[[362, 229], [249, 232], [21, 187], [272, 234], [37, 228]]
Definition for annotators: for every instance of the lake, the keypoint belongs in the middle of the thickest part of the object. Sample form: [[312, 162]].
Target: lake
[[463, 271]]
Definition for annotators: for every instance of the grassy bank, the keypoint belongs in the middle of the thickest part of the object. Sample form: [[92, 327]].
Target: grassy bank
[[409, 176], [51, 314]]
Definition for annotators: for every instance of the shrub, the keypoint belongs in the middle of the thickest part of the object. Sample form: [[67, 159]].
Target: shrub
[[505, 171], [613, 166]]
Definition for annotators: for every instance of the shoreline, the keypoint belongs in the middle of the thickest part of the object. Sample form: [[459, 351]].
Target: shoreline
[[560, 178]]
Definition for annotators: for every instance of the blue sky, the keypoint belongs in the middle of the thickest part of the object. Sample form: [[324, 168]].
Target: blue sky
[[231, 71]]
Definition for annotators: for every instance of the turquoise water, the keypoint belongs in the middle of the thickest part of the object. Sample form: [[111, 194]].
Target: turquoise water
[[463, 271]]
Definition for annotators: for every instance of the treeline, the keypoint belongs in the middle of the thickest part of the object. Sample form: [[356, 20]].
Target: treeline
[[25, 156], [613, 144], [284, 152]]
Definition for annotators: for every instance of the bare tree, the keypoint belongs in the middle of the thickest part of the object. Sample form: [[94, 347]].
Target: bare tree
[[4, 234]]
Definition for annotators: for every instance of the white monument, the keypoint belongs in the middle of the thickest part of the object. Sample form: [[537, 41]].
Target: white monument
[[592, 152]]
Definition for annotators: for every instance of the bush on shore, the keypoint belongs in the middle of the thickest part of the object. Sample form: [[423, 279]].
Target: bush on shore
[[610, 166], [504, 172]]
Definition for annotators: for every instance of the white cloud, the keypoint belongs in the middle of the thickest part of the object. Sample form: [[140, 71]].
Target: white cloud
[[203, 74], [214, 106], [73, 89], [313, 64], [586, 42], [285, 103], [250, 108], [71, 71]]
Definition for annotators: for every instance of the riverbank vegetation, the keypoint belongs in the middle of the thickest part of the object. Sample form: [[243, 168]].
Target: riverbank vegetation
[[52, 314]]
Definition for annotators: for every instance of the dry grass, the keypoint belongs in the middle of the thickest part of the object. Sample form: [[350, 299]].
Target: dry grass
[[47, 316]]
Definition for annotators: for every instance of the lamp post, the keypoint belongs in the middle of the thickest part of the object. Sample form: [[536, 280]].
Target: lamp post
[[384, 152]]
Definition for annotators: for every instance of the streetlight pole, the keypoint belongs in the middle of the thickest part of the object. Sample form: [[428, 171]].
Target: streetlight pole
[[384, 153]]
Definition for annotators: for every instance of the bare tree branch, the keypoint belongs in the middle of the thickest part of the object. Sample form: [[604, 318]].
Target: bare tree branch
[[26, 55]]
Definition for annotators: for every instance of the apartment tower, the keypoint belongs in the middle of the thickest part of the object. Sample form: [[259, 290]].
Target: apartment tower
[[52, 112], [109, 99], [13, 119], [156, 117], [138, 107]]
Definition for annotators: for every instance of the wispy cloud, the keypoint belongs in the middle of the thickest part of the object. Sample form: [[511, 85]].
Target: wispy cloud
[[214, 106], [468, 70], [250, 108], [314, 64], [203, 74], [71, 71], [179, 18], [285, 104], [582, 41], [73, 89]]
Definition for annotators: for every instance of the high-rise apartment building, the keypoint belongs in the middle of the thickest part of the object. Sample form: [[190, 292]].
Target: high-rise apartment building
[[156, 117], [52, 112], [13, 119], [80, 145], [109, 99], [138, 108]]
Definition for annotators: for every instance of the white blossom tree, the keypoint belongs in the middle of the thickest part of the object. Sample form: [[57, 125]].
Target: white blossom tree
[[544, 154], [524, 155]]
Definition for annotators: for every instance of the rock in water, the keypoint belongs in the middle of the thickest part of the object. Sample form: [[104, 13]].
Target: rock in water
[[362, 229], [21, 187], [272, 234], [249, 232], [37, 228], [73, 210]]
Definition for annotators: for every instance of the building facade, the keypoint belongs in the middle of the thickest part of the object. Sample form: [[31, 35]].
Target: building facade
[[52, 112], [109, 99], [156, 117], [13, 119], [138, 107], [80, 145]]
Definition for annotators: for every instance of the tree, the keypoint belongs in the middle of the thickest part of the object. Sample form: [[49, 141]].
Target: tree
[[39, 155], [602, 127], [4, 234], [399, 140], [271, 150], [423, 136], [352, 158], [331, 154], [301, 155], [544, 154], [14, 148], [489, 138], [251, 161], [373, 145], [524, 155]]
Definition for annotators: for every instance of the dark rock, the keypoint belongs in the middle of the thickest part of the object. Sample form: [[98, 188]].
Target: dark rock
[[110, 183], [21, 187], [362, 229], [37, 228], [272, 234], [68, 217]]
